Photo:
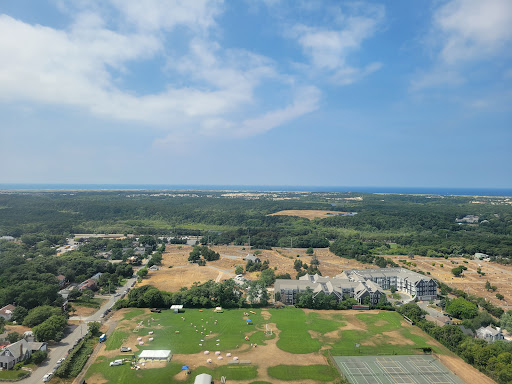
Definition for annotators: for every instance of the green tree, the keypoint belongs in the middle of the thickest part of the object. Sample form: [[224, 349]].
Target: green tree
[[239, 270], [19, 313], [310, 251], [74, 294], [39, 356], [39, 314], [94, 327], [142, 273], [50, 329], [2, 324], [457, 271], [87, 295], [13, 337], [506, 321], [487, 285], [499, 296], [267, 277], [462, 309]]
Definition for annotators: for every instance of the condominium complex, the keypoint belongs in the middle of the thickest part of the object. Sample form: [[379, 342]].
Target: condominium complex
[[359, 284]]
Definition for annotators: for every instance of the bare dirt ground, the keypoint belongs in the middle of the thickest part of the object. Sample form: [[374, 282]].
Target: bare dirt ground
[[84, 311], [307, 214], [184, 274], [465, 371], [471, 282]]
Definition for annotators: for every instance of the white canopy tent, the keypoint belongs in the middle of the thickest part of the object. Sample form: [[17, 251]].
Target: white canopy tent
[[158, 354]]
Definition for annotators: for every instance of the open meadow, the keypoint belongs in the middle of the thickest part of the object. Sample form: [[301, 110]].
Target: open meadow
[[295, 351], [184, 274]]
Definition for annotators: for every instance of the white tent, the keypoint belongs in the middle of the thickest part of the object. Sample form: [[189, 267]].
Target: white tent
[[159, 354], [203, 378]]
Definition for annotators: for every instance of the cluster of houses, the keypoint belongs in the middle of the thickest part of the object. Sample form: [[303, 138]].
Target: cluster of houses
[[359, 284], [11, 354]]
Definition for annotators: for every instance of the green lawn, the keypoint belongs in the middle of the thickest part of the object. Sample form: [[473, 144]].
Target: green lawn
[[377, 324], [12, 374], [294, 325], [115, 341], [124, 375], [229, 332], [299, 333], [303, 372]]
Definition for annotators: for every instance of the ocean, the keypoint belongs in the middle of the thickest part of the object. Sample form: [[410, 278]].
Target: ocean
[[292, 188]]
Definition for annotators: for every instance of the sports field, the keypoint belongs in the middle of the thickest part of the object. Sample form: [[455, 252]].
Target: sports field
[[417, 369], [295, 351]]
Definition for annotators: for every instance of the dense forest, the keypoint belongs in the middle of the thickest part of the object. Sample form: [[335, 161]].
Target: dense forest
[[384, 224]]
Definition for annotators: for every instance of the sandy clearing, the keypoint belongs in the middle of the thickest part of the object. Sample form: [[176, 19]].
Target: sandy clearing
[[307, 213]]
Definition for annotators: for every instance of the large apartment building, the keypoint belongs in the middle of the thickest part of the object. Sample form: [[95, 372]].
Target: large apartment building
[[359, 283], [414, 284]]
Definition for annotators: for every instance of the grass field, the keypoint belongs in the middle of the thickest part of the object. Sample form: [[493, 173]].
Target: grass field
[[295, 351]]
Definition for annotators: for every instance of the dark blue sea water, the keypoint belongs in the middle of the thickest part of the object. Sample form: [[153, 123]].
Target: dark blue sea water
[[397, 190]]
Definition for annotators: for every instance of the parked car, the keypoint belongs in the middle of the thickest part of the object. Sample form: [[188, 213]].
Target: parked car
[[116, 362], [126, 349], [47, 377], [156, 310], [61, 360], [117, 294]]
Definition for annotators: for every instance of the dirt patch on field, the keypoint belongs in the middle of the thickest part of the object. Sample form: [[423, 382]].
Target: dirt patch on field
[[84, 311], [308, 213], [465, 371], [396, 338], [263, 356], [97, 378], [265, 314]]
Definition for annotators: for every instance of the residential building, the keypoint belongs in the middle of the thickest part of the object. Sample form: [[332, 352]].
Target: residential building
[[14, 353], [489, 334], [252, 258], [359, 284], [6, 312], [419, 286]]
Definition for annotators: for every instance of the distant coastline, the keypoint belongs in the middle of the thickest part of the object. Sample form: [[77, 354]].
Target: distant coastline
[[283, 188]]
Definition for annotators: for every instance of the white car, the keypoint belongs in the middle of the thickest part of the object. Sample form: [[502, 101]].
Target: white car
[[116, 362], [47, 377], [60, 360]]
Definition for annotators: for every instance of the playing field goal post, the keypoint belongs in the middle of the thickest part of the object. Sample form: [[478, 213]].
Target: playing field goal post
[[268, 330]]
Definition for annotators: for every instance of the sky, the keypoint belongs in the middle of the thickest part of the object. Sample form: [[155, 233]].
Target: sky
[[257, 92]]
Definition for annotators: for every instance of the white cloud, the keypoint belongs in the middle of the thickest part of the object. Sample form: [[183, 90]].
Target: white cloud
[[436, 78], [473, 29], [83, 65], [465, 33], [305, 101], [329, 48], [166, 14]]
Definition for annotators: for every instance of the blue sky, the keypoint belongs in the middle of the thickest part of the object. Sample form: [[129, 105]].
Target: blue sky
[[267, 92]]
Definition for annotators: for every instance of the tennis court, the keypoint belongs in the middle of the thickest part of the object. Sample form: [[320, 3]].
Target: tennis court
[[411, 369]]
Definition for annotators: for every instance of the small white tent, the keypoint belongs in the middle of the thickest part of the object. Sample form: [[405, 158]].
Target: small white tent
[[203, 378]]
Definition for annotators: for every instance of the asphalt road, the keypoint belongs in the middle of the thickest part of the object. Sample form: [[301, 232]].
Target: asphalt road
[[61, 349]]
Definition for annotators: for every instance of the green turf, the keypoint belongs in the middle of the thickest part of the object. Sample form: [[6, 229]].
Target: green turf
[[303, 372], [133, 313], [115, 341], [294, 325], [124, 375], [377, 324], [230, 330]]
